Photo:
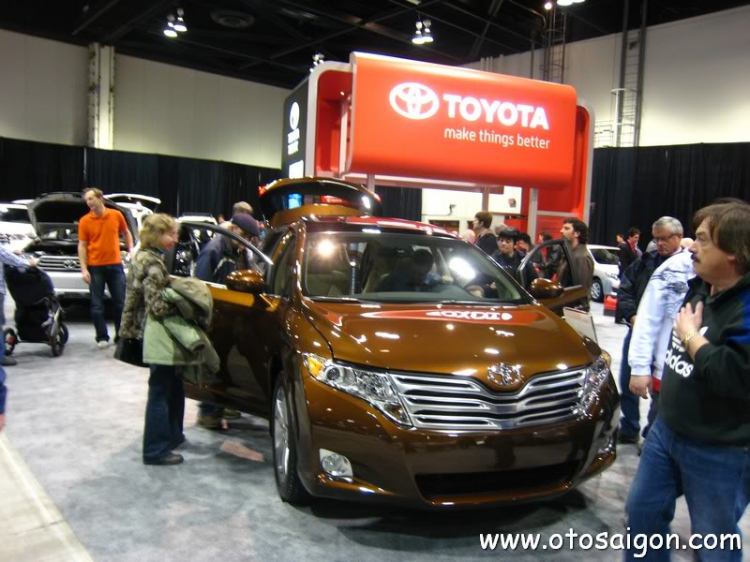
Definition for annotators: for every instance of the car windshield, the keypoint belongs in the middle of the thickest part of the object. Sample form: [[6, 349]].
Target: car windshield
[[10, 214], [381, 267], [605, 256]]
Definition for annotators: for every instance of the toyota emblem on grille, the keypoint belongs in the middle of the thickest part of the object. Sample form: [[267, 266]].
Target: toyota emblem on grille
[[414, 101], [503, 374], [70, 264]]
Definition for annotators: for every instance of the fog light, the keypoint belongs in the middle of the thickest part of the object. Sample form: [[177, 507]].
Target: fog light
[[335, 464]]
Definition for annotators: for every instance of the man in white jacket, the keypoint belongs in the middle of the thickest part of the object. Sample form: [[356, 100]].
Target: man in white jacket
[[656, 313]]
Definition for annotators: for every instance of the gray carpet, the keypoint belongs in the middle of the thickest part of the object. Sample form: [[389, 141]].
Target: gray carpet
[[77, 421]]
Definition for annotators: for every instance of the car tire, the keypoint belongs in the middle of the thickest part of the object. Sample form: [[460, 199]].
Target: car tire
[[64, 332], [284, 441], [597, 291]]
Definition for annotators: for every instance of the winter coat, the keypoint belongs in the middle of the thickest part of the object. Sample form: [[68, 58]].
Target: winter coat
[[656, 313], [147, 279], [178, 339]]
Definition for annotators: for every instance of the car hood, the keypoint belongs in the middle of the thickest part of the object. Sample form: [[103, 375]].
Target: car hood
[[64, 210], [450, 339]]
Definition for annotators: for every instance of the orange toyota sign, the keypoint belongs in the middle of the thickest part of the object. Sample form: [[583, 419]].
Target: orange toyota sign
[[425, 120]]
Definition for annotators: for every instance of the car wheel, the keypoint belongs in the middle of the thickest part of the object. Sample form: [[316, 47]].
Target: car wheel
[[597, 291], [64, 332], [288, 482], [10, 340]]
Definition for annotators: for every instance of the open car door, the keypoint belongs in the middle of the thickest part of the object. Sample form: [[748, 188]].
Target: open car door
[[240, 330], [547, 259]]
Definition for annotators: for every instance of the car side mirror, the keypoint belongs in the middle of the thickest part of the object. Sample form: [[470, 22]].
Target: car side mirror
[[246, 281], [544, 289]]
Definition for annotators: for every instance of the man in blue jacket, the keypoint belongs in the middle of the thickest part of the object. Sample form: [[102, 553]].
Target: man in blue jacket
[[699, 445]]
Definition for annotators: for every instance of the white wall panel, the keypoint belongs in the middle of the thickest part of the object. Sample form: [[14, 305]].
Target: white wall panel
[[43, 87], [170, 110], [697, 81]]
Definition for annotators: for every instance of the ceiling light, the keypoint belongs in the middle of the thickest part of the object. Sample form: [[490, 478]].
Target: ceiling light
[[548, 6], [564, 2], [180, 23], [169, 32], [423, 34], [318, 58]]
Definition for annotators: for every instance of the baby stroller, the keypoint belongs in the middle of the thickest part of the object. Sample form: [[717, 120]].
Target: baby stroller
[[39, 316]]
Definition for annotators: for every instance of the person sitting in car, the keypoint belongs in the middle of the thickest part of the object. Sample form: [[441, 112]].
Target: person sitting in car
[[416, 277], [222, 255]]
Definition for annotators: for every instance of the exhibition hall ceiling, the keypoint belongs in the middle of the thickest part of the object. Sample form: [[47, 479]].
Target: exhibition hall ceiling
[[275, 41]]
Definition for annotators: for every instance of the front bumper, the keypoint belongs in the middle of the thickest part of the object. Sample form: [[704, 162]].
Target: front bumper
[[442, 469]]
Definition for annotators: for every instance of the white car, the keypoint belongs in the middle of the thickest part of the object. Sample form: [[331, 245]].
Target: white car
[[16, 230], [606, 271], [55, 219], [140, 206]]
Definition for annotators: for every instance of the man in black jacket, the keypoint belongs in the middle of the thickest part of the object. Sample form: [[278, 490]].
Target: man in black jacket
[[509, 258], [627, 254], [668, 232], [700, 444]]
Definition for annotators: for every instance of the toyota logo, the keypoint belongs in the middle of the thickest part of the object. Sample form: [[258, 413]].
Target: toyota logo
[[414, 101], [294, 116], [503, 374]]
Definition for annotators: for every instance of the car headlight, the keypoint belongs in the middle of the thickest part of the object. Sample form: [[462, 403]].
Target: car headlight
[[613, 276], [374, 388], [596, 376]]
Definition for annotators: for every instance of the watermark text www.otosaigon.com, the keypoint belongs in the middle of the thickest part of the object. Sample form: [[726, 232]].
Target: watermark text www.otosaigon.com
[[639, 544]]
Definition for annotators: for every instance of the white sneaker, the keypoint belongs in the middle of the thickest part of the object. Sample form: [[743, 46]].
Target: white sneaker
[[102, 344]]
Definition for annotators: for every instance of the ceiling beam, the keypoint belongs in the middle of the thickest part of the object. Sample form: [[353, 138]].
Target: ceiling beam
[[491, 15], [132, 23], [354, 22], [93, 15], [483, 19]]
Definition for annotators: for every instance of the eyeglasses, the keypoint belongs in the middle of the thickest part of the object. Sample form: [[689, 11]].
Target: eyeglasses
[[664, 239]]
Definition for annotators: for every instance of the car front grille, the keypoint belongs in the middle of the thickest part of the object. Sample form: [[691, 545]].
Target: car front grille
[[68, 264], [433, 486], [458, 403]]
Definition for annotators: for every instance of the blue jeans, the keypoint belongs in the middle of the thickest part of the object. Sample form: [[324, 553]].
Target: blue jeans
[[630, 423], [114, 277], [714, 480], [165, 411]]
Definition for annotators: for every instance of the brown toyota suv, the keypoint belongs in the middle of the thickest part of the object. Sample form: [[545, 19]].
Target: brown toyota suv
[[398, 363]]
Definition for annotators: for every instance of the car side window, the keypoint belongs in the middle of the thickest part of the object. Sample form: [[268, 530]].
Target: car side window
[[283, 269]]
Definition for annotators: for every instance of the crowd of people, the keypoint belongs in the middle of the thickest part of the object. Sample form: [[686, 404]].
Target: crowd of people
[[686, 305]]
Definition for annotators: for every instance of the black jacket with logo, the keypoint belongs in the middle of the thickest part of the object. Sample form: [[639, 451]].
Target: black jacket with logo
[[708, 400]]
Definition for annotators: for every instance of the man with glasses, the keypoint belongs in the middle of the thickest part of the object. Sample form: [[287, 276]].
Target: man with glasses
[[667, 231]]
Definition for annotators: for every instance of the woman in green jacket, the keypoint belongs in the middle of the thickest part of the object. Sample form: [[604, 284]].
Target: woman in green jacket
[[147, 279]]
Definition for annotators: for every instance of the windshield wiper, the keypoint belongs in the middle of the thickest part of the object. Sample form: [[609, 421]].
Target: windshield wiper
[[335, 299]]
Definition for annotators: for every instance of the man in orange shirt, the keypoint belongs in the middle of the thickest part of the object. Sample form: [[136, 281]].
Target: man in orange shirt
[[101, 263]]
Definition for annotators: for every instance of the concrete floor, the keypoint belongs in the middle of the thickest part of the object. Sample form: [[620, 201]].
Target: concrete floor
[[76, 422]]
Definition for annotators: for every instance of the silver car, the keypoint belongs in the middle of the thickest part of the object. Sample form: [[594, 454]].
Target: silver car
[[606, 271], [55, 219]]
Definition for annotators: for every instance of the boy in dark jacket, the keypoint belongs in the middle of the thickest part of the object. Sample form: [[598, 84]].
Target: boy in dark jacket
[[700, 444]]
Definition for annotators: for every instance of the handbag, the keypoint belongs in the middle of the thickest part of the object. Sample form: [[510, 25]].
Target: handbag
[[130, 350]]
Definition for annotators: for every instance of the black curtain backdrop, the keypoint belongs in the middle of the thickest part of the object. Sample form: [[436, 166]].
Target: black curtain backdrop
[[636, 186], [29, 169], [401, 202], [630, 186]]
